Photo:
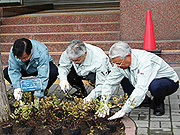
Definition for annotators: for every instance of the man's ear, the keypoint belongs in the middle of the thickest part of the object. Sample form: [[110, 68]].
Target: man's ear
[[85, 54], [129, 55], [31, 51]]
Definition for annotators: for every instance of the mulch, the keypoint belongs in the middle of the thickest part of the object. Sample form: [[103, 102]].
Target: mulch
[[85, 130]]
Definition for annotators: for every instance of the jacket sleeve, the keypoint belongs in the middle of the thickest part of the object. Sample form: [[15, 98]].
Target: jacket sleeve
[[64, 66], [43, 71], [101, 74], [145, 75], [112, 82], [14, 71]]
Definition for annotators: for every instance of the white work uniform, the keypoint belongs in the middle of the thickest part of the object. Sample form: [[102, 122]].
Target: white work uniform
[[144, 68], [96, 61]]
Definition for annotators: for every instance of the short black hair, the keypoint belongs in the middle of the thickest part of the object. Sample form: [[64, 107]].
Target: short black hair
[[20, 46]]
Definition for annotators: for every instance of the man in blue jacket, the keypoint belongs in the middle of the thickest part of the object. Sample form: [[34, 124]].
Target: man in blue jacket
[[30, 58]]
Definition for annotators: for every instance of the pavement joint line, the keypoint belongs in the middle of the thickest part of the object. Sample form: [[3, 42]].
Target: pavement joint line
[[149, 121], [170, 115]]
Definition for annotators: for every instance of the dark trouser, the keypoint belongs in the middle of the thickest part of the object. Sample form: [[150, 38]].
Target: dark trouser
[[76, 81], [52, 74], [159, 88]]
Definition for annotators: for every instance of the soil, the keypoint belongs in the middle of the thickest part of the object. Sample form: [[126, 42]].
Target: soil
[[85, 130]]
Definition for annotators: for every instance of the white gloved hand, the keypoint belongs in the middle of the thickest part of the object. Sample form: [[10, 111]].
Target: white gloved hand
[[17, 94], [21, 103], [103, 111], [36, 102], [118, 114], [64, 85], [87, 99]]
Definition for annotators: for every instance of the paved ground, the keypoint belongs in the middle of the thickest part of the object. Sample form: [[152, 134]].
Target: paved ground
[[168, 124]]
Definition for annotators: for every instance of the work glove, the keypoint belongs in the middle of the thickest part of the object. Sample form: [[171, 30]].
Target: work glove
[[87, 99], [17, 94], [103, 110], [64, 85], [36, 102], [118, 114], [21, 103]]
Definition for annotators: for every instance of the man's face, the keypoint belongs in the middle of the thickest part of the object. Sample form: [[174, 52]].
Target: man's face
[[122, 63], [79, 60], [25, 57]]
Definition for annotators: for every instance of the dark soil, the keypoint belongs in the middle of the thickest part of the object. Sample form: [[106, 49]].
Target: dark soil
[[85, 130], [21, 129]]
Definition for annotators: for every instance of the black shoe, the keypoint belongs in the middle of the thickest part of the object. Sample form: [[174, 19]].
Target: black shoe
[[146, 102], [159, 109]]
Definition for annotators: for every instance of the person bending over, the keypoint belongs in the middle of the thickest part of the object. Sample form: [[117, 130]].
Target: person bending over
[[82, 61], [139, 71], [30, 58]]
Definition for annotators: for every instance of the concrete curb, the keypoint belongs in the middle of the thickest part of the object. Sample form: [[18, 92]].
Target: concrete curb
[[130, 126]]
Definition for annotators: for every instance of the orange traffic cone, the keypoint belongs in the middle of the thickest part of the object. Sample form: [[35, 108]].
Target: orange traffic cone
[[149, 39]]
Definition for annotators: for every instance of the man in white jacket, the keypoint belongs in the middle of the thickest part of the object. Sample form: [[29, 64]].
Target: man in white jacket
[[139, 71], [81, 61]]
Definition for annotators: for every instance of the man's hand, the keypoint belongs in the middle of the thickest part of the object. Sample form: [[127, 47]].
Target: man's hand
[[103, 111], [64, 85], [87, 99], [17, 94], [36, 102], [118, 114]]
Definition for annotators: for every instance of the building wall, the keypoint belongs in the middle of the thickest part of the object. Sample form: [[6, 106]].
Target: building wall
[[164, 14]]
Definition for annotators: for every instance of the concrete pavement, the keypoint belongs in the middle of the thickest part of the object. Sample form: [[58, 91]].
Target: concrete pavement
[[168, 124]]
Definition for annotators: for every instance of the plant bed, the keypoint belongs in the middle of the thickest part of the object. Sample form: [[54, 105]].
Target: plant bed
[[53, 114], [85, 130]]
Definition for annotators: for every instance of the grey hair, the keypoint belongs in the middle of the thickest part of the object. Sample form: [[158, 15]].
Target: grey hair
[[119, 49], [76, 49]]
